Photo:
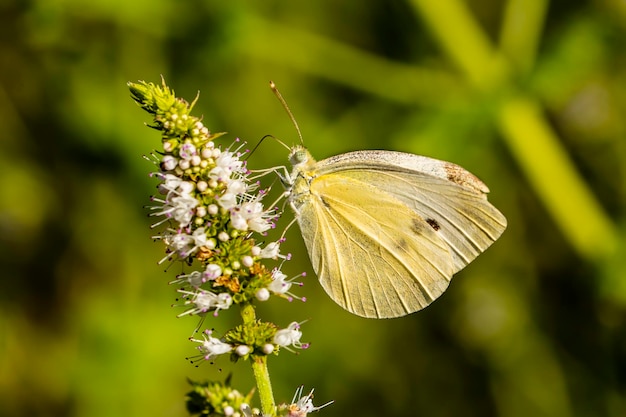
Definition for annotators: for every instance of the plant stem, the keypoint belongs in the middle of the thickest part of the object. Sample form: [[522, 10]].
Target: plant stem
[[259, 368], [531, 139]]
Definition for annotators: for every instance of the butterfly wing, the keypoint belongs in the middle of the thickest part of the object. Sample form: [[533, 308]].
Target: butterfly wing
[[450, 199], [374, 256]]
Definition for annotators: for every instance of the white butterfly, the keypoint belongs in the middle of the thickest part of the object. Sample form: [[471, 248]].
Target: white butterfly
[[386, 230]]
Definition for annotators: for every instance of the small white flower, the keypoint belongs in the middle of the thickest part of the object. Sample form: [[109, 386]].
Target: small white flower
[[199, 237], [204, 301], [168, 163], [281, 285], [226, 163], [211, 346], [194, 279], [237, 221], [242, 350], [202, 186], [227, 200], [180, 243], [186, 187], [184, 164], [182, 209], [236, 187], [271, 251], [262, 294], [290, 337], [170, 182], [301, 406], [247, 261], [224, 301], [187, 151], [256, 219], [212, 272]]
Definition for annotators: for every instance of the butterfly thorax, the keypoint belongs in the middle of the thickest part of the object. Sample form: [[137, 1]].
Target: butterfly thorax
[[303, 171]]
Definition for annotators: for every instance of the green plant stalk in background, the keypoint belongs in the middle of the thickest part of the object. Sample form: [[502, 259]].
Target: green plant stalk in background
[[532, 142]]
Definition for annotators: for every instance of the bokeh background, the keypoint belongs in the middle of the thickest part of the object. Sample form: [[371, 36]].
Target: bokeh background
[[530, 95]]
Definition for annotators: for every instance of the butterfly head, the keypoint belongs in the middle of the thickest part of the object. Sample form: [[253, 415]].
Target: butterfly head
[[300, 158]]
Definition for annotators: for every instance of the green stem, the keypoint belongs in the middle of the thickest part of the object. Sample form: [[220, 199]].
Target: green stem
[[259, 368], [531, 139]]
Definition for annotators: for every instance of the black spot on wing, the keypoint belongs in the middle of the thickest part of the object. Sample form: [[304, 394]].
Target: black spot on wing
[[417, 226], [433, 223]]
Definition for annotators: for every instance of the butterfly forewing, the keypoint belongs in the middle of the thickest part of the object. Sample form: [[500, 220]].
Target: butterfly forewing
[[449, 198]]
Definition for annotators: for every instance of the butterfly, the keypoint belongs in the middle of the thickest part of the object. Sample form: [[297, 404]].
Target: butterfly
[[386, 231]]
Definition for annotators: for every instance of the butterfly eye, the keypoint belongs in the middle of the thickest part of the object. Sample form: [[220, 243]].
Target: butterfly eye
[[298, 156]]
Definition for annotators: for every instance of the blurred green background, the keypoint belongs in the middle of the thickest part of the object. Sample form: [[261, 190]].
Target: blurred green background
[[530, 95]]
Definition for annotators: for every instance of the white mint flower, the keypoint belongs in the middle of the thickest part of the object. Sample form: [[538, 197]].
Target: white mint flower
[[187, 151], [185, 245], [262, 294], [281, 285], [224, 300], [242, 350], [170, 183], [211, 346], [178, 205], [290, 337], [168, 163], [194, 279], [212, 272], [301, 406], [271, 251], [247, 261], [204, 301], [227, 200], [226, 163], [234, 189], [182, 209], [185, 187], [180, 243], [254, 215], [237, 221]]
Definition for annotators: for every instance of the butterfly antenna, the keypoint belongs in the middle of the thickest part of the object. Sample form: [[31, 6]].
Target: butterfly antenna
[[286, 107], [261, 141]]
